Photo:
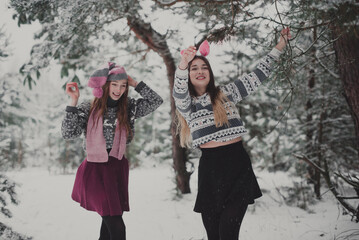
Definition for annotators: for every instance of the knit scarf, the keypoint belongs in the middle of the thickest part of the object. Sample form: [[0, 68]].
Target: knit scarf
[[96, 144]]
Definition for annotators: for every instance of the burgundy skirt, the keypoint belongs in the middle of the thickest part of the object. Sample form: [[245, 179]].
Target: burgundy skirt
[[103, 187]]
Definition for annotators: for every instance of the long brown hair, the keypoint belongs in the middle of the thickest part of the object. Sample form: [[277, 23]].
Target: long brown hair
[[99, 106], [219, 100]]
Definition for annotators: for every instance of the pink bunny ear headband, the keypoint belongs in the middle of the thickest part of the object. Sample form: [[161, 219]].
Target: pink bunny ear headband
[[203, 48], [109, 72]]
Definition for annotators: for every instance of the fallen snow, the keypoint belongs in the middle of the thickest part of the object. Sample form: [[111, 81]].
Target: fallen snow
[[46, 211]]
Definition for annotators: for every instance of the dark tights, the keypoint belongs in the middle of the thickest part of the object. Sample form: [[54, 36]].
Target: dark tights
[[112, 228], [224, 225]]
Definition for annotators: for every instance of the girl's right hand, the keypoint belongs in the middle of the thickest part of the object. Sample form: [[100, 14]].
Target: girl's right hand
[[187, 56], [73, 91]]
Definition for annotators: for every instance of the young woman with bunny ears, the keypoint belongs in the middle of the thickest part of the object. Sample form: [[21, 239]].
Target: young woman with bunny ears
[[107, 122], [208, 119]]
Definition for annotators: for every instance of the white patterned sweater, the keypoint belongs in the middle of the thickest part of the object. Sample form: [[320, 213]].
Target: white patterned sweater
[[198, 111]]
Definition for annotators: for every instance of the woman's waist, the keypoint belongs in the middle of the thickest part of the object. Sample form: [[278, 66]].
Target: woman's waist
[[216, 144], [221, 135], [228, 149]]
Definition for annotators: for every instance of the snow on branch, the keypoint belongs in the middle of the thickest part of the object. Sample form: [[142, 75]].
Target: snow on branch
[[310, 162]]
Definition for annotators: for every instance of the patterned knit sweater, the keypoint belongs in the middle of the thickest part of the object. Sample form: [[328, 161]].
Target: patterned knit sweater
[[198, 111], [75, 121]]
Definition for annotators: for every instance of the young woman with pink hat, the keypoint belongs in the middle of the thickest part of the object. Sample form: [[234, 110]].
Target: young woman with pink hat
[[209, 120], [107, 122]]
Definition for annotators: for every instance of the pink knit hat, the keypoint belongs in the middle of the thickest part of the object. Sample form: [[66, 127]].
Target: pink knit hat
[[110, 72]]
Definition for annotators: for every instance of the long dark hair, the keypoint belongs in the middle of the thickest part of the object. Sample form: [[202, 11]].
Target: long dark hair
[[99, 106]]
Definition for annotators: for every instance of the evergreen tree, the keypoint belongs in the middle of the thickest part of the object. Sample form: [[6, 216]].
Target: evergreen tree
[[11, 149]]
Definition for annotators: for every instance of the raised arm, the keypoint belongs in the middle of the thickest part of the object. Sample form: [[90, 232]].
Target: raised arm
[[75, 120], [180, 89], [149, 102], [249, 82]]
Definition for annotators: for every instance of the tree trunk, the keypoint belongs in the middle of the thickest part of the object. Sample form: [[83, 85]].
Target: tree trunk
[[347, 52], [311, 149], [20, 153], [157, 43]]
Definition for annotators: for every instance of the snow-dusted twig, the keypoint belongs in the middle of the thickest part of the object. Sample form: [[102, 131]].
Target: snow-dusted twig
[[310, 162]]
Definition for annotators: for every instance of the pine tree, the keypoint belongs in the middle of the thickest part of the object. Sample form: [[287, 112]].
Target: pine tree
[[10, 147]]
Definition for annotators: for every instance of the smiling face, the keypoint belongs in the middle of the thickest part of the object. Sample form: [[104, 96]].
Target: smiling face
[[117, 88], [199, 75]]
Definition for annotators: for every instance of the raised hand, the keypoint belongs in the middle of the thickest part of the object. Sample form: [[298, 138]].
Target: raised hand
[[73, 91], [284, 37], [131, 81], [187, 55]]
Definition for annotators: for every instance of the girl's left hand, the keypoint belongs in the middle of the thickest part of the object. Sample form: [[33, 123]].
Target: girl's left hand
[[131, 81], [284, 37]]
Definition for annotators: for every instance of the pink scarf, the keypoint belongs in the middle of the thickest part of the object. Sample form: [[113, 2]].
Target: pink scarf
[[96, 144]]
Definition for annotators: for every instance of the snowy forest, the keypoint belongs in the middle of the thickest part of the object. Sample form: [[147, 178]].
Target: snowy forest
[[303, 123]]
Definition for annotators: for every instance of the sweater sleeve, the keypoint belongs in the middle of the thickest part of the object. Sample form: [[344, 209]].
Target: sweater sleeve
[[249, 82], [75, 120], [181, 94], [149, 102]]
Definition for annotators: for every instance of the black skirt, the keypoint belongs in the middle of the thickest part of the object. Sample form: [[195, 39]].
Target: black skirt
[[225, 174]]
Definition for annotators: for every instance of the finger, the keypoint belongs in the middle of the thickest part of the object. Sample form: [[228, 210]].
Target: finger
[[188, 53], [68, 86], [191, 49], [288, 31], [72, 85], [71, 88], [284, 31]]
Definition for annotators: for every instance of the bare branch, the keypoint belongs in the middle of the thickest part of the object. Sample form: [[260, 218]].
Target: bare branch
[[168, 3], [333, 74], [310, 162], [348, 197]]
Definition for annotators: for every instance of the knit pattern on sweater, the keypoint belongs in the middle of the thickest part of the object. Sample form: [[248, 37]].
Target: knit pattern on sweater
[[75, 120], [198, 111]]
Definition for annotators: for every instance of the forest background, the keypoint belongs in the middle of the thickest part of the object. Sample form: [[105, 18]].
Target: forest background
[[304, 121]]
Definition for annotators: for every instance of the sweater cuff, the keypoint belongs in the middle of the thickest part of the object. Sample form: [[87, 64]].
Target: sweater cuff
[[182, 73], [140, 86], [71, 109], [275, 53]]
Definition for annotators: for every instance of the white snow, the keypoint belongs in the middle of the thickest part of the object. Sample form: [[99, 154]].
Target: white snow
[[46, 210]]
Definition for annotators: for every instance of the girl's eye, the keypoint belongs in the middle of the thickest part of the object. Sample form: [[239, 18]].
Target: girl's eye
[[193, 69]]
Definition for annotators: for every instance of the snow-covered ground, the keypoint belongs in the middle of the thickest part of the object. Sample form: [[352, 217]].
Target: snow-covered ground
[[46, 211]]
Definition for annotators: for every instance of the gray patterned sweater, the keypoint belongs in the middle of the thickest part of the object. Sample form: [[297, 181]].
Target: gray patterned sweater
[[198, 111], [75, 121]]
